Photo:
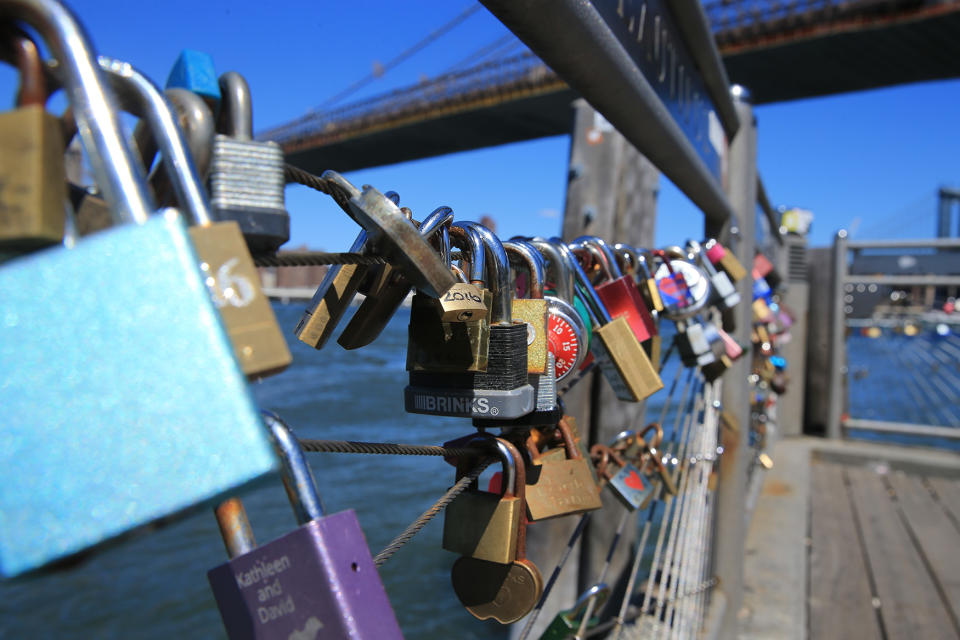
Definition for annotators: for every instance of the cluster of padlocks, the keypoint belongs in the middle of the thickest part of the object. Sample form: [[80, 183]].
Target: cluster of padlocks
[[170, 323]]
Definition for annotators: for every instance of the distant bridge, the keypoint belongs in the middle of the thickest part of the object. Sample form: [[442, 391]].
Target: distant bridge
[[780, 50]]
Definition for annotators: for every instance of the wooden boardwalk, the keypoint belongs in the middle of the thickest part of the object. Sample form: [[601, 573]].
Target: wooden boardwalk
[[854, 540], [884, 553]]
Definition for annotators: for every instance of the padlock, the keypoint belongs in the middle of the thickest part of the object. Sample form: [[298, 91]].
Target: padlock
[[144, 309], [559, 481], [684, 287], [567, 623], [568, 334], [620, 295], [317, 581], [761, 312], [650, 454], [246, 175], [692, 344], [533, 309], [462, 302], [623, 361], [637, 263], [762, 290], [503, 591], [229, 271], [761, 266], [721, 258], [502, 391], [628, 484], [435, 345], [484, 525], [723, 291], [33, 196]]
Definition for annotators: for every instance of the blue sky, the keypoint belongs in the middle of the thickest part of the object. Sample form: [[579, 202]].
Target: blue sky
[[870, 161]]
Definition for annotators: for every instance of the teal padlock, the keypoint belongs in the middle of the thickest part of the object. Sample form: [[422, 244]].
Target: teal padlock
[[568, 622], [123, 402]]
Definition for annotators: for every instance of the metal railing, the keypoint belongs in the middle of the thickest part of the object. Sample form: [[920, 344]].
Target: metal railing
[[839, 370]]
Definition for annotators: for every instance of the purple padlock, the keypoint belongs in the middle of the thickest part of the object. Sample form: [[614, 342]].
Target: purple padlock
[[318, 581]]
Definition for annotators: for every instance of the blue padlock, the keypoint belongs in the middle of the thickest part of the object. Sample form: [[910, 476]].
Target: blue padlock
[[123, 403]]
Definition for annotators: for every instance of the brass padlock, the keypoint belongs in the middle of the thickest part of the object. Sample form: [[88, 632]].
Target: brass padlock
[[724, 259], [533, 309], [484, 525], [442, 346], [33, 194], [228, 268], [559, 480], [623, 361], [503, 591]]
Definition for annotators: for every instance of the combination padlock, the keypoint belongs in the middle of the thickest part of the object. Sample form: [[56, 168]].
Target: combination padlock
[[246, 175], [568, 334], [505, 591], [317, 581]]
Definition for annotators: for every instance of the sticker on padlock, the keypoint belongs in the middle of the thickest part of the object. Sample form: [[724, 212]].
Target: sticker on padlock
[[628, 483], [136, 391], [319, 580]]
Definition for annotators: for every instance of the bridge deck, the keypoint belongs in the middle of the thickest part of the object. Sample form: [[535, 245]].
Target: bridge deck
[[855, 540]]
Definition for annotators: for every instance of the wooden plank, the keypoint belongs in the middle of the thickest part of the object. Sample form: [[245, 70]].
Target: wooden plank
[[948, 493], [840, 597], [909, 603], [938, 538]]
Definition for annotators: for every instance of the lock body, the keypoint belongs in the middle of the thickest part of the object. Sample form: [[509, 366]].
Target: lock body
[[632, 488], [34, 187], [318, 581], [624, 363], [138, 393], [483, 525], [235, 288], [558, 485]]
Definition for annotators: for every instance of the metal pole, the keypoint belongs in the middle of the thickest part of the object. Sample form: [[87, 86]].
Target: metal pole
[[838, 330], [731, 491]]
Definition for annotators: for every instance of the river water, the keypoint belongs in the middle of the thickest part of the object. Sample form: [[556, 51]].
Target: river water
[[155, 586]]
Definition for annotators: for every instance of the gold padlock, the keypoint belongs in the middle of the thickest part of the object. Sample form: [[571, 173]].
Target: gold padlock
[[559, 480], [33, 183], [484, 525], [532, 309]]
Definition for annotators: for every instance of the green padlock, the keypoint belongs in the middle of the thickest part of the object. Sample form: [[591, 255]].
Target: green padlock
[[568, 622]]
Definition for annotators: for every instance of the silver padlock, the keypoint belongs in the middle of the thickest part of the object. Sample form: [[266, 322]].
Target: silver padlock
[[246, 175]]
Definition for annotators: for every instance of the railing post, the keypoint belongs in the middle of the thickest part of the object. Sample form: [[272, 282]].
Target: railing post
[[731, 491], [838, 333]]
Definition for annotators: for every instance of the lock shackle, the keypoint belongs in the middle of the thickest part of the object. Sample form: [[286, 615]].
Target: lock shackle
[[599, 592], [657, 438], [600, 455], [566, 434], [115, 171], [235, 119], [700, 254], [197, 125], [627, 258], [298, 480], [534, 263], [590, 256], [22, 53], [498, 275], [556, 268], [235, 527], [392, 196], [140, 96], [463, 237], [514, 475], [595, 306], [608, 257], [436, 224]]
